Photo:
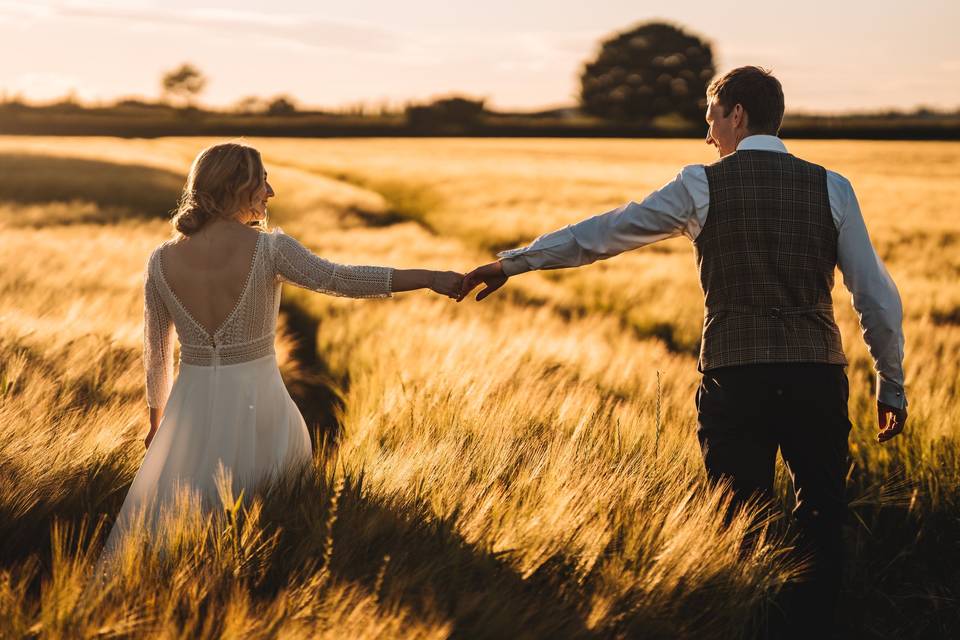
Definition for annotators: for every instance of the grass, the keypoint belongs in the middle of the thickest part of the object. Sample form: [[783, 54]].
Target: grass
[[522, 467]]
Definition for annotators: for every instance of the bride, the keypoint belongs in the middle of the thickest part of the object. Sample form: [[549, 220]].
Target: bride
[[218, 283]]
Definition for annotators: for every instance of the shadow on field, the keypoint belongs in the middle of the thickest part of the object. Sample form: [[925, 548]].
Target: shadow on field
[[99, 486], [369, 218], [402, 553], [31, 492], [405, 202], [117, 191], [432, 568], [399, 548], [310, 383]]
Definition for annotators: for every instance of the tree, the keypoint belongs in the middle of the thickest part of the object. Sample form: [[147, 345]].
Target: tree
[[186, 81], [651, 70], [453, 113], [250, 105], [281, 106]]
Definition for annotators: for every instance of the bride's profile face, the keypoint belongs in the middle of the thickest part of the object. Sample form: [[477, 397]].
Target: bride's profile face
[[260, 198]]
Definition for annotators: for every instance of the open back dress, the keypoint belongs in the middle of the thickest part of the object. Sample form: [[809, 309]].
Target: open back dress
[[228, 405]]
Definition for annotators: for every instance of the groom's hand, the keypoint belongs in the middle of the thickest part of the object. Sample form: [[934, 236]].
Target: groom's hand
[[489, 274], [891, 421]]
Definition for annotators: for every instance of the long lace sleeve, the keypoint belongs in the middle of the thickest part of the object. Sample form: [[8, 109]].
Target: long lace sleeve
[[296, 264], [157, 340]]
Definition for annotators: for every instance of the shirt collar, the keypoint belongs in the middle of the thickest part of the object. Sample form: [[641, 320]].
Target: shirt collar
[[762, 142]]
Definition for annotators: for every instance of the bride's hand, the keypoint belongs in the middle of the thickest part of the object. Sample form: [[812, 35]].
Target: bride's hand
[[149, 438], [446, 283]]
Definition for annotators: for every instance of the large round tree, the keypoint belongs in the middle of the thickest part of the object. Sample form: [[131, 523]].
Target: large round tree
[[651, 70]]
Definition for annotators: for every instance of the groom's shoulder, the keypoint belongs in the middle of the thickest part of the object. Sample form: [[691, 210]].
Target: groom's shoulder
[[693, 178], [839, 187], [696, 171], [831, 174], [838, 184], [837, 177], [704, 171]]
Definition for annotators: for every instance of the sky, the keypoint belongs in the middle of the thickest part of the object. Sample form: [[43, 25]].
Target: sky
[[830, 56]]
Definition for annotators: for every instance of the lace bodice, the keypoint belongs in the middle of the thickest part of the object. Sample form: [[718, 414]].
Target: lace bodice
[[248, 331]]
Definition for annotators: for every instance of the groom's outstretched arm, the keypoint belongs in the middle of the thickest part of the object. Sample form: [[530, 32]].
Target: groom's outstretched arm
[[676, 208]]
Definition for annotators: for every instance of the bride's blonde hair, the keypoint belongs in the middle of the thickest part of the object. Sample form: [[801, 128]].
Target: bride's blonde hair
[[223, 180]]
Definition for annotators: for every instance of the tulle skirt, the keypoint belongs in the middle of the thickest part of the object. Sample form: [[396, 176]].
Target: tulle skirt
[[236, 418]]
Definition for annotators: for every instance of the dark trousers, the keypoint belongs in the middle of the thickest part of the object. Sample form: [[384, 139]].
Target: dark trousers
[[745, 413]]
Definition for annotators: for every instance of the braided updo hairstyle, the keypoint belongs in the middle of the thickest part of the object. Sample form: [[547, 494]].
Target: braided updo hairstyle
[[223, 180]]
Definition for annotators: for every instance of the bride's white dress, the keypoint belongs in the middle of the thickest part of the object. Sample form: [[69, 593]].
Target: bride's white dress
[[228, 405]]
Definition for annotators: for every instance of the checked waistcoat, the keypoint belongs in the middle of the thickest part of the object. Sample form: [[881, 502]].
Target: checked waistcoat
[[766, 256]]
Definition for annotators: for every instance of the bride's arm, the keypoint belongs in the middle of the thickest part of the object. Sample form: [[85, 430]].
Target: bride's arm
[[445, 283], [157, 348], [297, 265]]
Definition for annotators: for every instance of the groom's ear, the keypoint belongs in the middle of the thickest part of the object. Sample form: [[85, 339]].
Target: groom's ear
[[740, 116]]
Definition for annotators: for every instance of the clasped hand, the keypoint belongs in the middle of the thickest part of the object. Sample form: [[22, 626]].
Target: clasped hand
[[446, 283], [457, 286], [490, 274]]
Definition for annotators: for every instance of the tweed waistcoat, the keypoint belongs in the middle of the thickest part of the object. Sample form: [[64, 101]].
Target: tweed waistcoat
[[766, 256]]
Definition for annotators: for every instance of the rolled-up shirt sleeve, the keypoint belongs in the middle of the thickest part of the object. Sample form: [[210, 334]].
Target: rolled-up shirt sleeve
[[873, 292], [667, 212]]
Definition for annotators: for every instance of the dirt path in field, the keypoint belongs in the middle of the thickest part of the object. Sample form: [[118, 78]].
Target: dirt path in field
[[318, 392]]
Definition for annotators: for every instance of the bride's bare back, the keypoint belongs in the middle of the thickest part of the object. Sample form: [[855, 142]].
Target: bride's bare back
[[208, 271], [220, 288]]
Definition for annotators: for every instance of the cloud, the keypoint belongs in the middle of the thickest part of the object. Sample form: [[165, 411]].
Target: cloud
[[303, 29], [23, 9], [21, 15], [305, 32], [518, 50], [357, 56]]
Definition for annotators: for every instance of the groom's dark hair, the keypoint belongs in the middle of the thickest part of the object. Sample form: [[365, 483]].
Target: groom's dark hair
[[757, 90]]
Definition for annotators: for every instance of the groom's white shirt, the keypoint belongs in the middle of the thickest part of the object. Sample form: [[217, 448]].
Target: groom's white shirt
[[681, 206]]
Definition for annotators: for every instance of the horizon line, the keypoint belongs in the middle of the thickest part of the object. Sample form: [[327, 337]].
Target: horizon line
[[398, 106]]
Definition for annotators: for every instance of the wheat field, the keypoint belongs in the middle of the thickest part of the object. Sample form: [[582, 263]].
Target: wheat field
[[522, 467]]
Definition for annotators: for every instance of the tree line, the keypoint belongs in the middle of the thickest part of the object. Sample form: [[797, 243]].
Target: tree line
[[651, 70]]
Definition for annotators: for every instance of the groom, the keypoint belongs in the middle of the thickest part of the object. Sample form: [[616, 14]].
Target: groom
[[768, 231]]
